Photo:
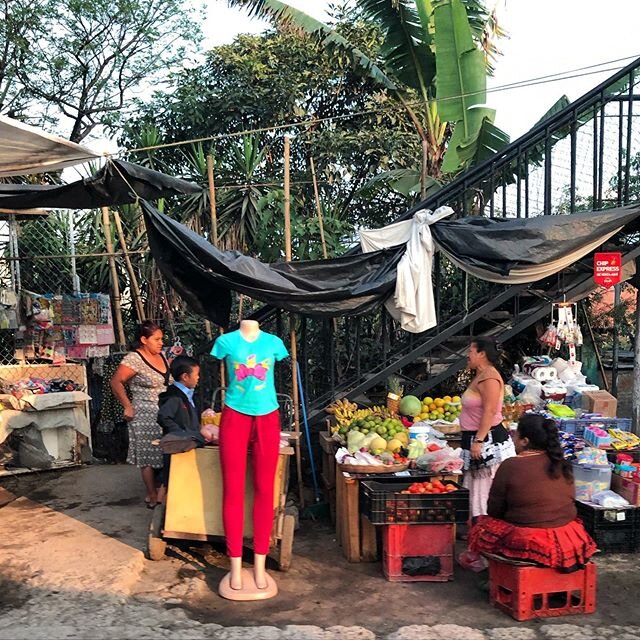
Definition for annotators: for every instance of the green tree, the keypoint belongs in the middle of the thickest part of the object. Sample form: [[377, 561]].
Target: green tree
[[351, 128], [433, 59], [84, 59]]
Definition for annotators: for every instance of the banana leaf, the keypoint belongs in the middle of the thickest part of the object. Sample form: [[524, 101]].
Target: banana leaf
[[461, 81], [403, 181]]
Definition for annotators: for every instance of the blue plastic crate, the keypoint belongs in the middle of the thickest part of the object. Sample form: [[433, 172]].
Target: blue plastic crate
[[577, 425]]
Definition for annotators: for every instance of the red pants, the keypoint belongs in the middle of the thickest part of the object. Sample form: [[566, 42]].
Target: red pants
[[238, 433]]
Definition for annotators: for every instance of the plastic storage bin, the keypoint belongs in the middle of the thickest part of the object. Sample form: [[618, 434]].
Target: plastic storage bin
[[590, 479], [418, 553]]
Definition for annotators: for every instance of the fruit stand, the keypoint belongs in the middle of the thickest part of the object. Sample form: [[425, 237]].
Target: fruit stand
[[376, 449]]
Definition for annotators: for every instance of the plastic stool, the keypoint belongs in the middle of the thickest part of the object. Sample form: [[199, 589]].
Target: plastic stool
[[527, 592]]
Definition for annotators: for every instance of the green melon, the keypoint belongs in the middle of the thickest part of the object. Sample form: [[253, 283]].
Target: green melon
[[410, 406]]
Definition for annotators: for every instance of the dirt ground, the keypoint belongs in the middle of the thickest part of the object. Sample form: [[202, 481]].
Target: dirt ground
[[321, 588]]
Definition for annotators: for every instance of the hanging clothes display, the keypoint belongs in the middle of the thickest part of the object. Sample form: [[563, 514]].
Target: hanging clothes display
[[412, 304]]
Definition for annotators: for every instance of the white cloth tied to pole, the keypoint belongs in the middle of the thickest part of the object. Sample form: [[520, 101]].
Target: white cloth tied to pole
[[412, 304]]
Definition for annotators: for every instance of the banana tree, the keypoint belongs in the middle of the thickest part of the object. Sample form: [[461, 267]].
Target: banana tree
[[434, 60]]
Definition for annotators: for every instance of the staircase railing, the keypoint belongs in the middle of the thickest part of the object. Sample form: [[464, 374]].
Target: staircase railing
[[586, 156]]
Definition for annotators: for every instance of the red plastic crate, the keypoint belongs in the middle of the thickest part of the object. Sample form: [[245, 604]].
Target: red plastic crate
[[402, 542], [526, 592]]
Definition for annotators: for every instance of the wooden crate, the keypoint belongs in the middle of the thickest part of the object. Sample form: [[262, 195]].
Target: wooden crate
[[328, 472], [355, 534]]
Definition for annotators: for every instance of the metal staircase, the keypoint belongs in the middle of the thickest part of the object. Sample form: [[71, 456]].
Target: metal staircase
[[585, 157]]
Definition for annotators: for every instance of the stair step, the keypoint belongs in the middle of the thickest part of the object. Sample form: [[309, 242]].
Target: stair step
[[499, 315]]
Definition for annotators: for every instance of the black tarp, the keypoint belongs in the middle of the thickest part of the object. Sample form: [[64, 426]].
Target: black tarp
[[502, 244], [116, 183], [205, 276]]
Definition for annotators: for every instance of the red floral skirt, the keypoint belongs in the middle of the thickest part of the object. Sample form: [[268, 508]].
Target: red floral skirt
[[565, 547]]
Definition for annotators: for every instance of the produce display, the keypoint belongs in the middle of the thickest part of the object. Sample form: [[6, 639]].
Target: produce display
[[435, 486], [445, 409], [372, 436]]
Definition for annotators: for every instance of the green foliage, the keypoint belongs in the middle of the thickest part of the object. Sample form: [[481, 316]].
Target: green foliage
[[82, 59]]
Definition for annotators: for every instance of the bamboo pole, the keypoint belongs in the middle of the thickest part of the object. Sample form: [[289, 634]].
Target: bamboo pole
[[213, 210], [292, 320], [117, 308], [135, 288], [318, 208]]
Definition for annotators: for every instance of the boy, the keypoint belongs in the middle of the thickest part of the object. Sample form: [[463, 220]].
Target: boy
[[177, 412]]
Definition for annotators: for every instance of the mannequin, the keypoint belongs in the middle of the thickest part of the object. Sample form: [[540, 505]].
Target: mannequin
[[250, 420]]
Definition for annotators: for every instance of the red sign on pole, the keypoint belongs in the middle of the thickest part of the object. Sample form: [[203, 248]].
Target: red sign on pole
[[607, 269]]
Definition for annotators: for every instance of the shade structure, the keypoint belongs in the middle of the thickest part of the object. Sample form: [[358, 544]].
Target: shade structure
[[26, 150]]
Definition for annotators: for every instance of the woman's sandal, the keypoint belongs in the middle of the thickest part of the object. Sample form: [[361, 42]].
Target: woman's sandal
[[150, 505]]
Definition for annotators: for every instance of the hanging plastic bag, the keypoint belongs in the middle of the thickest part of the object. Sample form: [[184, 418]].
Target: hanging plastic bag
[[472, 561]]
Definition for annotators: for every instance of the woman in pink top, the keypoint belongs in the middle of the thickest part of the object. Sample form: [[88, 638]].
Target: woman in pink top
[[485, 441]]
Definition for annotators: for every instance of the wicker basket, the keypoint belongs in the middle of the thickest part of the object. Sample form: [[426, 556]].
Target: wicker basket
[[446, 427], [373, 468], [393, 403]]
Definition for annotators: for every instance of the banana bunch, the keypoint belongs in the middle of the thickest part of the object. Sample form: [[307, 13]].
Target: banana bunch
[[343, 410]]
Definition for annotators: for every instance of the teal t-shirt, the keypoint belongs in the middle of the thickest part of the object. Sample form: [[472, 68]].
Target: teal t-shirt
[[251, 387]]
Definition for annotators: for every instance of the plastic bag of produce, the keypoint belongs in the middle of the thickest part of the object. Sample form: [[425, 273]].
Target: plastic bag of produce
[[609, 498], [443, 460]]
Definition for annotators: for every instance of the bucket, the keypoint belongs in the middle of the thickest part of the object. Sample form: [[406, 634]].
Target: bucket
[[590, 479]]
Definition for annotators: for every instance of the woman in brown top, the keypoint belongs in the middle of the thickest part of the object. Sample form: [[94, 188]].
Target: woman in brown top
[[532, 514]]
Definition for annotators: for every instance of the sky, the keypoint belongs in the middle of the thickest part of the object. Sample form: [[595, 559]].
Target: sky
[[545, 37]]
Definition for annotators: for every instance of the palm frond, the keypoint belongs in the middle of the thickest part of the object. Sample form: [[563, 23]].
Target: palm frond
[[284, 15]]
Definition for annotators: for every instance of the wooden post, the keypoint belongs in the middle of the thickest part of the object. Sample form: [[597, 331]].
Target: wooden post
[[214, 240], [117, 308], [292, 320], [212, 201], [318, 208], [137, 297]]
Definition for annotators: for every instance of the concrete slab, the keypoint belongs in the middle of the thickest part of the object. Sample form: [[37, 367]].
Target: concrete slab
[[43, 548]]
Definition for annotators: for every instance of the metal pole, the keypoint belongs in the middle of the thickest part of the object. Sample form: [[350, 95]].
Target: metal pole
[[616, 342], [135, 289], [635, 401], [292, 320], [117, 308]]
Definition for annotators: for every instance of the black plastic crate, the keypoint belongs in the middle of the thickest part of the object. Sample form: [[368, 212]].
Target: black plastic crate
[[620, 540], [613, 530], [383, 503], [597, 517]]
